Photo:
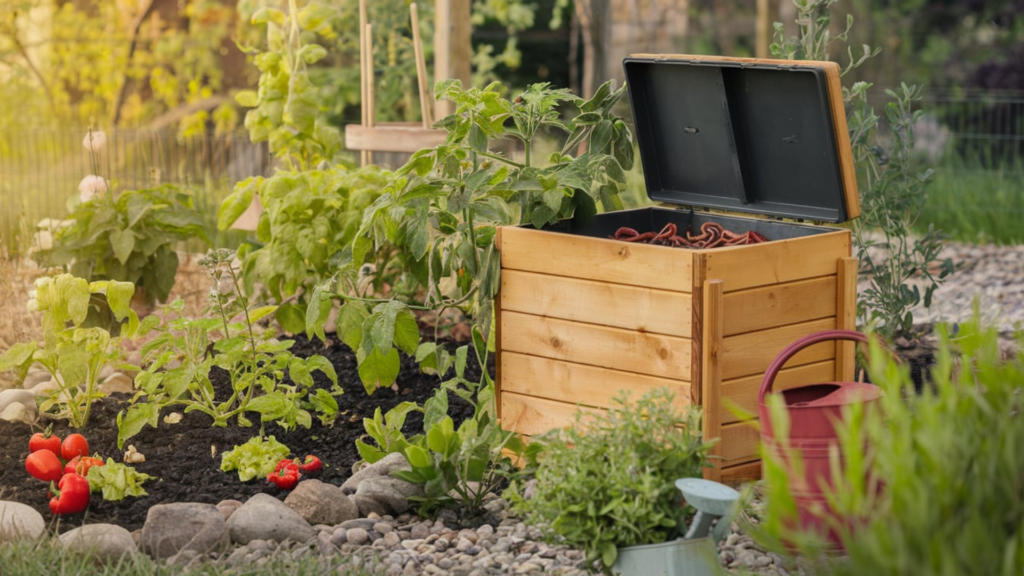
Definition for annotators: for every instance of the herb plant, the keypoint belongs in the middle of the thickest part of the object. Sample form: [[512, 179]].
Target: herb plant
[[931, 481], [893, 188], [608, 481], [180, 357], [128, 237], [116, 480], [254, 459], [72, 354]]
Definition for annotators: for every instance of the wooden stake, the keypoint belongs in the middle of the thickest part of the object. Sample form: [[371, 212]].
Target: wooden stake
[[363, 76], [370, 103], [421, 68]]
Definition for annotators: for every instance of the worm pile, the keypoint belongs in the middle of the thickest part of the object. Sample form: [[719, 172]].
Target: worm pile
[[712, 235]]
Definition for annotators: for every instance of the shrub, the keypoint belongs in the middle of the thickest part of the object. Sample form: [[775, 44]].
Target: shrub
[[949, 463], [608, 481]]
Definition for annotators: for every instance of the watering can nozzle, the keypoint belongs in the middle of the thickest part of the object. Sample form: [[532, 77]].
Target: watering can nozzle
[[713, 501]]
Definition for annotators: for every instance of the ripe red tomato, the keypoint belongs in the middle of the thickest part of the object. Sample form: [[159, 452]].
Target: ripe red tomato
[[44, 465], [74, 445], [44, 441]]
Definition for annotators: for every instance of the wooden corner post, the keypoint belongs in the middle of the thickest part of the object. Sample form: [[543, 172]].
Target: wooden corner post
[[711, 332], [846, 317], [497, 332]]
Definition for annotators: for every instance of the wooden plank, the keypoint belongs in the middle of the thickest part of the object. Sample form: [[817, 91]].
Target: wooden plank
[[777, 262], [740, 443], [572, 383], [602, 346], [846, 318], [629, 307], [779, 304], [531, 416], [559, 254], [699, 274], [741, 473], [710, 369], [392, 137], [750, 353], [741, 393]]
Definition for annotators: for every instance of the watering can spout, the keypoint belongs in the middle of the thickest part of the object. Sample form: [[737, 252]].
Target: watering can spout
[[713, 501]]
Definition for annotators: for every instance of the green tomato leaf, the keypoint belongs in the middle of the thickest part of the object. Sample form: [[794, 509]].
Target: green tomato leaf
[[378, 369], [407, 331], [123, 242], [119, 297]]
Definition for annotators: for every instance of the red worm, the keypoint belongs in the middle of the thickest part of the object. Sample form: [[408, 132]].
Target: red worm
[[712, 235]]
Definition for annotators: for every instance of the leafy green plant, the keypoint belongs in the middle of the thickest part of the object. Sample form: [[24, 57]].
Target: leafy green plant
[[116, 481], [608, 481], [931, 481], [128, 237], [72, 354], [458, 468], [180, 357], [443, 208], [254, 459], [893, 189], [386, 431]]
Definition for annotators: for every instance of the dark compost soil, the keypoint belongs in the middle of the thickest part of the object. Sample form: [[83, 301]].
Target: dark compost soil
[[186, 456]]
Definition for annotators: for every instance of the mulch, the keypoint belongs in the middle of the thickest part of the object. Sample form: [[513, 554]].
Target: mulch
[[186, 456]]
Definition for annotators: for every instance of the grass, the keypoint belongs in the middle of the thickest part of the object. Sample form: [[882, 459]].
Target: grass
[[48, 558], [971, 203]]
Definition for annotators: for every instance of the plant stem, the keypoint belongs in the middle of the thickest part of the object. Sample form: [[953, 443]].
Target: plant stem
[[501, 159]]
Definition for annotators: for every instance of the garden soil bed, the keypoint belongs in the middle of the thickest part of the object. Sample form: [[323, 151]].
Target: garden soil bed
[[186, 456]]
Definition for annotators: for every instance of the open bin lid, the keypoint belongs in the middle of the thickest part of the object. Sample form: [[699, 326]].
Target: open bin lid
[[747, 135]]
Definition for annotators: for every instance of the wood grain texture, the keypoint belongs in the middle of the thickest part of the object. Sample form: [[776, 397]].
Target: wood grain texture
[[601, 346], [846, 318], [741, 393], [750, 353], [392, 137], [740, 443], [629, 307], [559, 254], [572, 383], [780, 304], [741, 473], [743, 267], [696, 346], [531, 416], [710, 369]]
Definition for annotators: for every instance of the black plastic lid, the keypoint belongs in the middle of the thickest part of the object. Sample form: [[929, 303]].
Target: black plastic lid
[[740, 136]]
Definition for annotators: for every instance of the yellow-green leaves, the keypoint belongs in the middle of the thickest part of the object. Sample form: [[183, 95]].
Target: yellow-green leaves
[[115, 480], [254, 459]]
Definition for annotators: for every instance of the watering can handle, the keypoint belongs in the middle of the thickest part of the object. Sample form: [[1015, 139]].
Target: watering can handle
[[792, 349]]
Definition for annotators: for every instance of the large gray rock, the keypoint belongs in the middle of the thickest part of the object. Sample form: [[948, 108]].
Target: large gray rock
[[34, 377], [18, 412], [8, 397], [264, 517], [381, 490], [171, 528], [19, 522], [106, 542], [383, 467], [406, 489], [321, 503]]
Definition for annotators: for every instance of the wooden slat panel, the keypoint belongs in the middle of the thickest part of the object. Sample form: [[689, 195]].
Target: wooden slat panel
[[776, 262], [711, 368], [750, 353], [531, 416], [572, 383], [602, 259], [602, 346], [392, 137], [779, 304], [740, 443], [846, 318], [629, 307], [742, 473], [742, 392]]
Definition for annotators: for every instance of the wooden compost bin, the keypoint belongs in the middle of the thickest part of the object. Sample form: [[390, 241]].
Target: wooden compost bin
[[581, 316]]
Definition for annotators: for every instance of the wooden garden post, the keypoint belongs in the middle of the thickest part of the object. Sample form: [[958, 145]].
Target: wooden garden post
[[452, 46]]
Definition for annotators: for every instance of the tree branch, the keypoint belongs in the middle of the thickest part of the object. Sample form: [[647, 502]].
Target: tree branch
[[133, 42], [31, 65]]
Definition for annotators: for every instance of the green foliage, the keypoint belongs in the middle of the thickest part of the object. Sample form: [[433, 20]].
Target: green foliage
[[386, 431], [457, 468], [116, 480], [179, 358], [254, 459], [608, 481], [128, 237], [71, 353], [931, 482], [309, 218], [443, 208], [284, 110], [893, 191]]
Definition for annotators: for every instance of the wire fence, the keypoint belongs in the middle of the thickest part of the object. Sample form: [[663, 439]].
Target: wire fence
[[40, 169]]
